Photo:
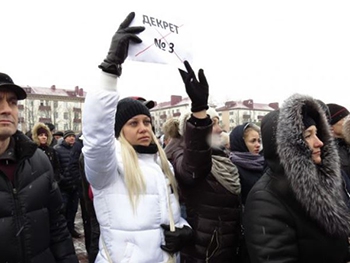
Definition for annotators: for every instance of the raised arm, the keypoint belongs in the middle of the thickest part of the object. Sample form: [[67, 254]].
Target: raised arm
[[100, 108], [195, 161]]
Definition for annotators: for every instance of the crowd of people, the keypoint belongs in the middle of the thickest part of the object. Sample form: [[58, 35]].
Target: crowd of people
[[275, 192]]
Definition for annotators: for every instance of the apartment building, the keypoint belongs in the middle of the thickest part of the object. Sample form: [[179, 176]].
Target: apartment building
[[232, 113], [61, 107], [169, 109]]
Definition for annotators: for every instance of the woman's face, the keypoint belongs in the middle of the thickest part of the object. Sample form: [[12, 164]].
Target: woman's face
[[314, 143], [138, 130], [42, 138], [252, 140]]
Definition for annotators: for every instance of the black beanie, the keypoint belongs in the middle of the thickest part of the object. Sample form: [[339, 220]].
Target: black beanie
[[126, 109], [68, 133], [338, 112], [307, 119]]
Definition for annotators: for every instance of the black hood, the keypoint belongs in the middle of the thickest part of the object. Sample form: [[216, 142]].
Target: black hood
[[318, 188], [268, 137]]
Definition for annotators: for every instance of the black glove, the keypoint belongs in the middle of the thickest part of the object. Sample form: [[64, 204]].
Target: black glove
[[198, 91], [118, 50], [175, 241]]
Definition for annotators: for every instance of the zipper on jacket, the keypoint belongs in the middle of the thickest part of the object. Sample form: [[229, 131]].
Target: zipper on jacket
[[19, 224]]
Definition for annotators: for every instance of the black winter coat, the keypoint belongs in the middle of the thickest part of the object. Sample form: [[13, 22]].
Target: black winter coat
[[52, 155], [70, 178], [212, 211], [296, 212], [32, 228]]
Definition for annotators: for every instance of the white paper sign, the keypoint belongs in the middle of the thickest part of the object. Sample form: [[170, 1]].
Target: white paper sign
[[164, 40]]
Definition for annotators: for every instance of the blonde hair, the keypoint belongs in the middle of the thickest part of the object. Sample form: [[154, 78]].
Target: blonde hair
[[133, 175], [250, 127], [171, 128]]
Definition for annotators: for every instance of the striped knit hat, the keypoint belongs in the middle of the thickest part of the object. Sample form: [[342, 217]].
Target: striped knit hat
[[337, 112]]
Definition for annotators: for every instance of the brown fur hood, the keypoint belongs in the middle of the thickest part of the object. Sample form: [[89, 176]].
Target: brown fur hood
[[35, 129], [318, 188]]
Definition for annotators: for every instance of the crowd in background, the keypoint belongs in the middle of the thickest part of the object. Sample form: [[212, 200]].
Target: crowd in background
[[275, 191]]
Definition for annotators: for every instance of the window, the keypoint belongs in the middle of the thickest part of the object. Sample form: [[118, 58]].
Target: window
[[65, 116]]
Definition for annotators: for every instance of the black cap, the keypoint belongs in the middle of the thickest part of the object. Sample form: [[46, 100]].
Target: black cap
[[58, 133], [7, 83], [148, 103]]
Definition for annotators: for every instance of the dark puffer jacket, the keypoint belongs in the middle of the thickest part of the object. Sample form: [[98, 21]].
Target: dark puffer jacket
[[32, 228], [296, 211], [212, 210], [70, 176]]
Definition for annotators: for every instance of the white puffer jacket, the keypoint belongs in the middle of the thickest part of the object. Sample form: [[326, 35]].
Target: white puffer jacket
[[129, 236]]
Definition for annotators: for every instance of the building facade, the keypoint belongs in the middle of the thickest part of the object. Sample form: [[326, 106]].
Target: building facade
[[232, 113], [61, 107]]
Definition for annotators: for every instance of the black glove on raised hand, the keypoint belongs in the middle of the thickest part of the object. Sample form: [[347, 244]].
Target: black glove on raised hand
[[175, 241], [198, 91], [118, 50]]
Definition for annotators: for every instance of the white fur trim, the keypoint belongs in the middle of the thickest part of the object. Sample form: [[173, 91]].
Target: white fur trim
[[212, 113], [182, 122]]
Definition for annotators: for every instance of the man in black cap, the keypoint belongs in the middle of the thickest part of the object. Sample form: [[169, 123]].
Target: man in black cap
[[338, 114], [30, 198], [58, 135]]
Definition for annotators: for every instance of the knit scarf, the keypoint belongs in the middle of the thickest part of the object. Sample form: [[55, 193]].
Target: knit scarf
[[226, 173], [151, 149], [248, 160]]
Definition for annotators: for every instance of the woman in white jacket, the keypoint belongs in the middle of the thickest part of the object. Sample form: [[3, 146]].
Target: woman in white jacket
[[135, 192]]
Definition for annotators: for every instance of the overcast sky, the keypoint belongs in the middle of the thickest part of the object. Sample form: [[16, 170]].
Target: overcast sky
[[260, 50]]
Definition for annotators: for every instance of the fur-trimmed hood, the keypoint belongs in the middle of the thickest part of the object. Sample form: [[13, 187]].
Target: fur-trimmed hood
[[318, 188], [346, 129], [35, 134]]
